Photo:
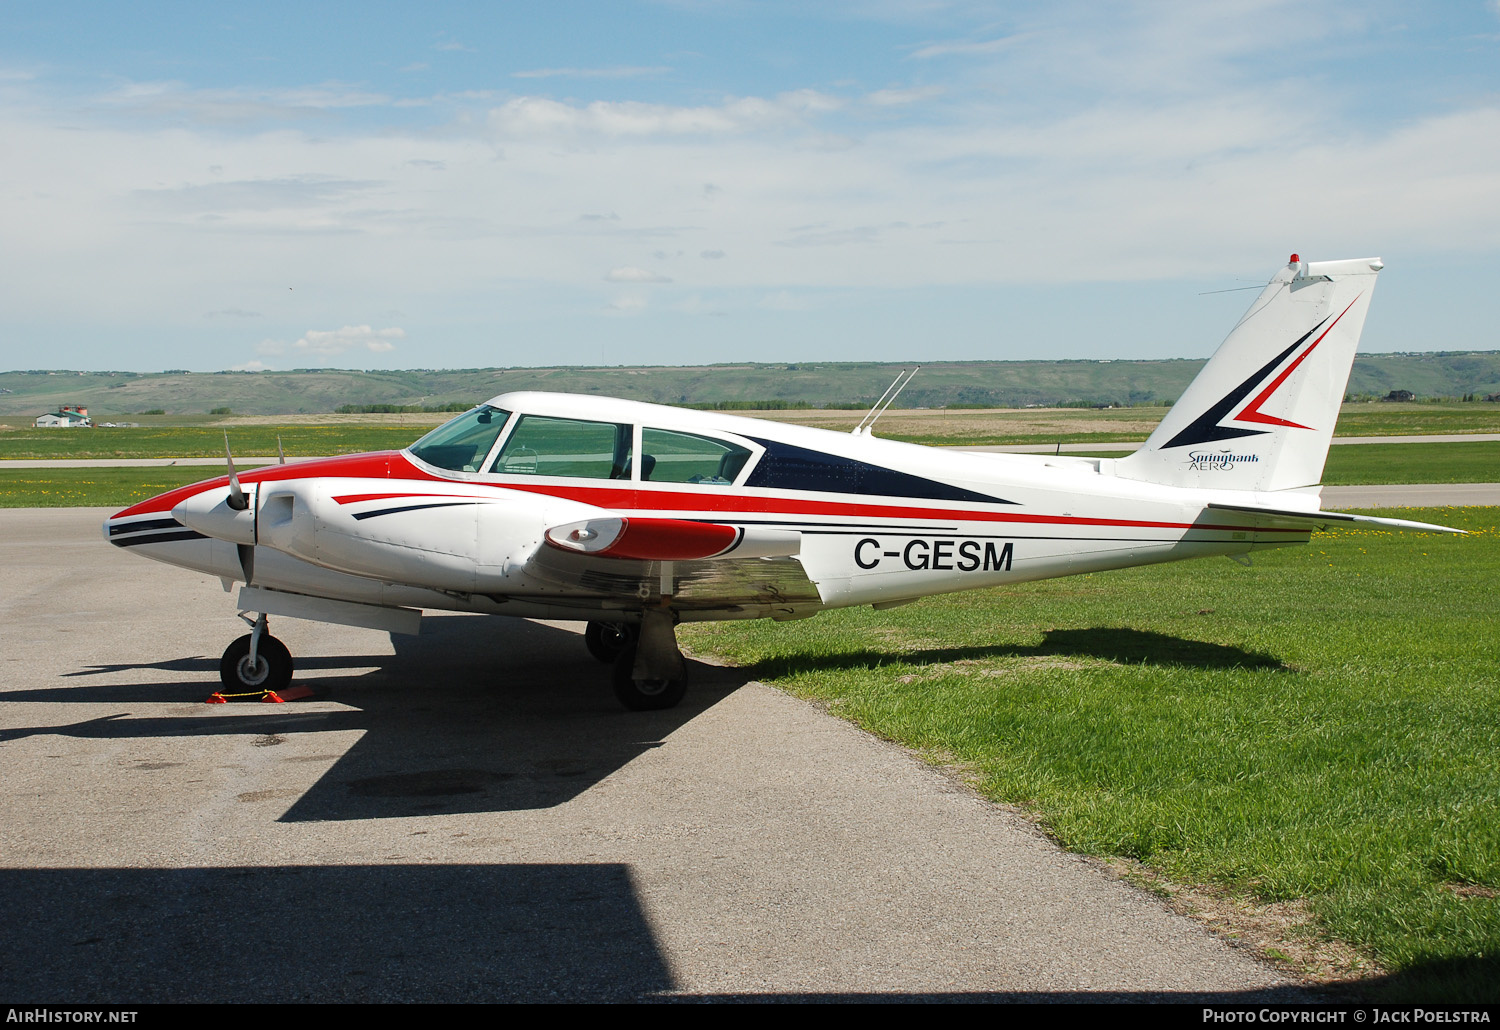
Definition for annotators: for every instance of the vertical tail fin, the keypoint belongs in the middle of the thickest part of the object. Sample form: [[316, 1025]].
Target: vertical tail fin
[[1260, 414]]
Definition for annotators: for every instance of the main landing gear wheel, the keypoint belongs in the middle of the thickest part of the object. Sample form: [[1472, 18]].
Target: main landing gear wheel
[[605, 640], [272, 669], [646, 695]]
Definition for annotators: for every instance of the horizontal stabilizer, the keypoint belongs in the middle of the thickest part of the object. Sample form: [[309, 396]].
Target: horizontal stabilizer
[[1275, 518]]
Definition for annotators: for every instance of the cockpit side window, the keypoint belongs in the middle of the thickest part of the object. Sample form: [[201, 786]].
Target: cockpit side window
[[462, 444], [544, 446], [670, 457]]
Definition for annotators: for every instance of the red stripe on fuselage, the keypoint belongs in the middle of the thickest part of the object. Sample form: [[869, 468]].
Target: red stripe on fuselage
[[626, 500], [393, 465], [376, 465]]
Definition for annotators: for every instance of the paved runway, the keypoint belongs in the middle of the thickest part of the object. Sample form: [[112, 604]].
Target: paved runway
[[1022, 448], [468, 815]]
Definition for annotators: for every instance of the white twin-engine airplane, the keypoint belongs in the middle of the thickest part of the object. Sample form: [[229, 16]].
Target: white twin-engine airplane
[[634, 517]]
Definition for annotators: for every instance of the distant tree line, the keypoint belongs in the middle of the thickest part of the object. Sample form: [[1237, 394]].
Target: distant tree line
[[400, 409], [750, 405]]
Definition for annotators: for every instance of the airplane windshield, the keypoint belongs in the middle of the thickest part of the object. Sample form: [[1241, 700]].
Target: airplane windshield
[[461, 445]]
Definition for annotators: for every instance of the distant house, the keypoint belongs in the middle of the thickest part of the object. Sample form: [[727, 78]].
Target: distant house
[[69, 416]]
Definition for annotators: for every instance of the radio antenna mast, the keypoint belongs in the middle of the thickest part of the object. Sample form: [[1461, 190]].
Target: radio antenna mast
[[867, 424]]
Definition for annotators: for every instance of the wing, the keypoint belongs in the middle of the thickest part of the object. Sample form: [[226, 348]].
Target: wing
[[622, 562]]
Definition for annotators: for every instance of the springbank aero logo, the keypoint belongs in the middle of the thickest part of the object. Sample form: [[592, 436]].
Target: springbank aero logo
[[1217, 461], [1210, 426]]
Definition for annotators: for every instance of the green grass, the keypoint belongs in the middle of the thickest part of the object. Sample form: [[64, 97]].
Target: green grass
[[980, 439], [1322, 726], [1377, 463], [1355, 463], [183, 436], [96, 487], [203, 442], [114, 396], [1377, 418]]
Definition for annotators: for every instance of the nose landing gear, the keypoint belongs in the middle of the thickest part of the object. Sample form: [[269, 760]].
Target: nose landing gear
[[256, 661]]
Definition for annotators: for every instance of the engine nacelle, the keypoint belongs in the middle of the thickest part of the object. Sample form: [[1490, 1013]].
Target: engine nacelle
[[444, 536]]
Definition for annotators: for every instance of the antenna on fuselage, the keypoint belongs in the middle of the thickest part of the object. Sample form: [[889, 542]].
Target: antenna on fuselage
[[867, 423]]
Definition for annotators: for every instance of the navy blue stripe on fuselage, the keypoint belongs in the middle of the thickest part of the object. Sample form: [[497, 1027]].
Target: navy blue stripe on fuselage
[[785, 467], [121, 528], [412, 507], [159, 538]]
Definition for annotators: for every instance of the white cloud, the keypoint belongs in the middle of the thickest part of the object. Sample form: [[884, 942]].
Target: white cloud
[[627, 305], [251, 366], [1151, 146], [537, 116], [902, 97], [635, 275], [331, 342], [159, 99]]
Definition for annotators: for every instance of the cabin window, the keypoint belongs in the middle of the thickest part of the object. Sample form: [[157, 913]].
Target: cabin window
[[668, 457], [462, 444], [544, 446]]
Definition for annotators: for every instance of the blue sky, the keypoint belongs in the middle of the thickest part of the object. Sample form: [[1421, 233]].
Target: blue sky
[[461, 185]]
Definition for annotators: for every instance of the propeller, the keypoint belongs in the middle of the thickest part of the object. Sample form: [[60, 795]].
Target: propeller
[[237, 499], [239, 502]]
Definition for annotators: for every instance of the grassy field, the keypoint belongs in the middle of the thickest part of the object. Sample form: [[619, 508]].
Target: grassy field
[[1375, 464], [114, 396], [204, 441], [203, 436], [96, 487], [1072, 425], [1316, 737], [1413, 463]]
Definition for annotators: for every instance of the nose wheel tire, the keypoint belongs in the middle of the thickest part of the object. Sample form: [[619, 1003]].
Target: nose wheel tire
[[272, 669], [605, 640], [645, 695]]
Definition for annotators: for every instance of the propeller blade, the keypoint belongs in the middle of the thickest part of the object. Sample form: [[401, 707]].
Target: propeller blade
[[247, 561], [237, 499], [280, 454]]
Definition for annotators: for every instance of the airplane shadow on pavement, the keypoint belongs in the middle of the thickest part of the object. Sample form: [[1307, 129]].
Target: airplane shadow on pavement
[[476, 714]]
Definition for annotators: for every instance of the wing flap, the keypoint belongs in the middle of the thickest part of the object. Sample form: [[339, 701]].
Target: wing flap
[[774, 587]]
